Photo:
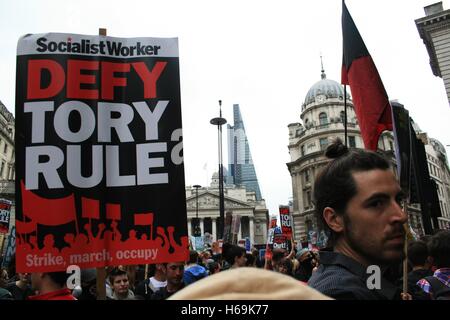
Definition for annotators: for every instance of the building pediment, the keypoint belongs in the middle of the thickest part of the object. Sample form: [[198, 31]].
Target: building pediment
[[209, 200]]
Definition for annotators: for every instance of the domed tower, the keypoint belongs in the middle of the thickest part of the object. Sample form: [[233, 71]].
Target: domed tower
[[322, 119]]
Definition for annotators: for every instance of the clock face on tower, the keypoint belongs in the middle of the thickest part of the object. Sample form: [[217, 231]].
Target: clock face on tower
[[320, 98]]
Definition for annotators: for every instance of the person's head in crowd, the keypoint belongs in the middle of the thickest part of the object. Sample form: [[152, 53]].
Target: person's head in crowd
[[277, 258], [42, 282], [418, 255], [284, 266], [193, 257], [234, 255], [303, 254], [118, 278], [50, 286], [174, 274], [24, 278], [194, 270], [213, 266], [250, 260], [159, 272], [358, 202], [109, 269], [88, 284], [306, 261], [439, 249], [3, 278], [205, 255], [4, 293]]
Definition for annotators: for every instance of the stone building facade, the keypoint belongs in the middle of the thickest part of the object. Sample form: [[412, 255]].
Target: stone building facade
[[322, 120], [253, 212], [434, 29]]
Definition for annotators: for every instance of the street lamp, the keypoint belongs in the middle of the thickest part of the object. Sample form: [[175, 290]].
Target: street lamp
[[197, 230], [219, 121]]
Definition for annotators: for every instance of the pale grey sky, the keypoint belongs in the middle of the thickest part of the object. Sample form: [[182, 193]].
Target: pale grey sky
[[263, 55]]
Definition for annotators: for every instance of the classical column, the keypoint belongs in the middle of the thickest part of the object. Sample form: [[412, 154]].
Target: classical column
[[189, 226], [264, 228], [239, 234], [252, 230], [202, 226], [214, 231]]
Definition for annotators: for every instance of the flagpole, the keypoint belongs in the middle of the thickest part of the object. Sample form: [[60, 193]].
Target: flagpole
[[345, 114], [405, 250], [146, 272], [3, 244], [101, 271]]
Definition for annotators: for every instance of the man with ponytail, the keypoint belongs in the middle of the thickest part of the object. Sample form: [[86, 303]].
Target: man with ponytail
[[357, 200]]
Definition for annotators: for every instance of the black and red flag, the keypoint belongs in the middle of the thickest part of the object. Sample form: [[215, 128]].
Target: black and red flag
[[369, 96]]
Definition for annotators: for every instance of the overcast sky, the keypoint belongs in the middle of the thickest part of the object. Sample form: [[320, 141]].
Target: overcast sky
[[263, 55]]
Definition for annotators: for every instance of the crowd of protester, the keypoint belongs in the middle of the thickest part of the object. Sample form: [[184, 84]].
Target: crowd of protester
[[428, 276], [358, 202]]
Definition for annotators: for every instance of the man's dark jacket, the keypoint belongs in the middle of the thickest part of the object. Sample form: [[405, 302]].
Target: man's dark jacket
[[343, 278]]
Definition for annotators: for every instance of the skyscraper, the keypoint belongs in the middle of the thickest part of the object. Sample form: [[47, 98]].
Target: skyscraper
[[241, 170]]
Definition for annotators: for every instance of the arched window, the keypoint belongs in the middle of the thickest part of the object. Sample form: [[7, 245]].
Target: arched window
[[323, 119], [323, 142]]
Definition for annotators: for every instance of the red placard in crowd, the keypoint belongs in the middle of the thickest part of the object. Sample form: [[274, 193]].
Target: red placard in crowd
[[286, 221], [5, 215]]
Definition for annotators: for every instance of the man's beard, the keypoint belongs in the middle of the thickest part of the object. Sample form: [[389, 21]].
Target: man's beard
[[371, 258]]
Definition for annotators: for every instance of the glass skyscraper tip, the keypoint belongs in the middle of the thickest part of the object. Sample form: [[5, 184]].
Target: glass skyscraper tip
[[241, 171]]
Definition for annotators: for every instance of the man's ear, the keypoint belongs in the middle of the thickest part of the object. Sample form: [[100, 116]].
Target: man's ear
[[334, 221]]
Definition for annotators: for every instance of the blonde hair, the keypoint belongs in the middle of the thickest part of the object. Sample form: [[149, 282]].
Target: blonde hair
[[295, 265]]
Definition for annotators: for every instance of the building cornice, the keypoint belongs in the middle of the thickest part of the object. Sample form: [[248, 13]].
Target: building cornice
[[332, 103], [317, 156], [243, 205], [426, 26], [317, 133]]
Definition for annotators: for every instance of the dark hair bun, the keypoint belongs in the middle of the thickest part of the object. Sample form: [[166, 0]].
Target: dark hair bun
[[336, 149]]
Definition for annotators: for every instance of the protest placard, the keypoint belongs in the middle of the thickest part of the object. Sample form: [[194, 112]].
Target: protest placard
[[5, 215], [100, 174]]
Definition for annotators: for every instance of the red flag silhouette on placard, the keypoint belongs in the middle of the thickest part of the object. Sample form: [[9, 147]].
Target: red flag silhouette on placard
[[143, 219], [369, 96], [25, 227], [90, 208], [113, 211], [50, 212]]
